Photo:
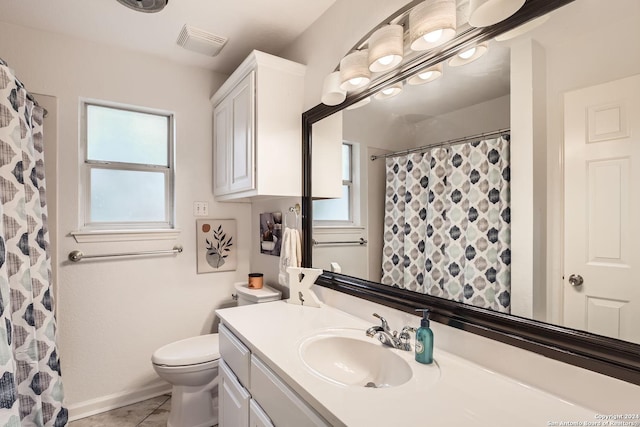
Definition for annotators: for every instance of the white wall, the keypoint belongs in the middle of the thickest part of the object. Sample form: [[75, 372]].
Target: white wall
[[114, 313], [373, 128], [484, 117]]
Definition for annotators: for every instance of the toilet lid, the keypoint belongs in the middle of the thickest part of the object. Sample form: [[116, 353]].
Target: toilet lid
[[190, 351], [264, 294]]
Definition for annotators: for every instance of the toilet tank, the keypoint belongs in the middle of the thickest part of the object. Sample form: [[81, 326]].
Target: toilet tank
[[248, 296]]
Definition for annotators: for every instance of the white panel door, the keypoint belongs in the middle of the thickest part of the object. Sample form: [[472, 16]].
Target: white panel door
[[602, 209]]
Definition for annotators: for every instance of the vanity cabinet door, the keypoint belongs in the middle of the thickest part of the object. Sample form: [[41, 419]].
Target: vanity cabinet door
[[233, 400], [257, 416], [284, 406]]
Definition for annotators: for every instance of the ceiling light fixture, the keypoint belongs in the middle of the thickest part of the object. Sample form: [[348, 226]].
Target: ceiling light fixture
[[331, 92], [469, 55], [484, 13], [389, 91], [386, 48], [432, 23], [427, 75], [354, 70]]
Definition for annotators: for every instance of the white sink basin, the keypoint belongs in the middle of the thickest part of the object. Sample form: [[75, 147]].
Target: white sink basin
[[349, 358]]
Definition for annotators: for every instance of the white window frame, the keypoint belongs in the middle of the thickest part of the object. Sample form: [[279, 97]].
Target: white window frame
[[111, 231]]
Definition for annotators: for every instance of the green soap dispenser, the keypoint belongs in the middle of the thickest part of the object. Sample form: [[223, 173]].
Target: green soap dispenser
[[424, 339]]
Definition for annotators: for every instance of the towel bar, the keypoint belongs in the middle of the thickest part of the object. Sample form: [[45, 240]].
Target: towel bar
[[77, 256], [361, 242]]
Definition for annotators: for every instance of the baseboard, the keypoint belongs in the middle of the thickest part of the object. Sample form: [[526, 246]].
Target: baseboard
[[106, 403]]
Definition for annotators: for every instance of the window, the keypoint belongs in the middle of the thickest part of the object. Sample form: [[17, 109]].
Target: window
[[339, 211], [128, 168]]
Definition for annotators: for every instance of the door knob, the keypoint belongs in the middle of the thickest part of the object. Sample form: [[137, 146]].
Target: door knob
[[576, 280]]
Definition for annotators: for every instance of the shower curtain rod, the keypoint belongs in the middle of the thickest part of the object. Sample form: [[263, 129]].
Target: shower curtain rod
[[30, 97], [441, 144]]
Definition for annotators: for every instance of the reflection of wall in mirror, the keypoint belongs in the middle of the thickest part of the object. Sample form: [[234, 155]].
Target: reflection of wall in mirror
[[327, 148], [484, 117]]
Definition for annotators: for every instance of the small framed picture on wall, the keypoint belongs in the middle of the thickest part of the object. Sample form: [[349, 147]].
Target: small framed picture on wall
[[216, 245], [271, 233]]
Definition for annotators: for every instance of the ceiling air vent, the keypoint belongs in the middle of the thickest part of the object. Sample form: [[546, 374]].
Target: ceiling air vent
[[200, 41], [148, 6]]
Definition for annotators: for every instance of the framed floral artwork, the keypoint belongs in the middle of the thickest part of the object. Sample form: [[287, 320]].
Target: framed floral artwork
[[216, 245]]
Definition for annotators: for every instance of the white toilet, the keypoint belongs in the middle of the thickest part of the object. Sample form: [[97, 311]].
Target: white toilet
[[191, 366]]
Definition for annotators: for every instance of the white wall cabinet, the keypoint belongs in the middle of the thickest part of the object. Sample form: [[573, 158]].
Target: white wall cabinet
[[258, 130], [267, 401]]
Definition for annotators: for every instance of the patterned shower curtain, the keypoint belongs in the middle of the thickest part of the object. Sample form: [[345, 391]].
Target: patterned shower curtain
[[30, 386], [447, 223]]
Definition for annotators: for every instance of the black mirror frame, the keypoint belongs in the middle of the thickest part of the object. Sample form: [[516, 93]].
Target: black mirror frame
[[608, 356]]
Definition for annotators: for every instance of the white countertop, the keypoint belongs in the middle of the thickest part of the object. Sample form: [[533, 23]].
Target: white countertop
[[465, 394]]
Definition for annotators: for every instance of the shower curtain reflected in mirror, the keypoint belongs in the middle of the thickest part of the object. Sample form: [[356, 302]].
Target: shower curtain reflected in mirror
[[31, 392], [447, 223]]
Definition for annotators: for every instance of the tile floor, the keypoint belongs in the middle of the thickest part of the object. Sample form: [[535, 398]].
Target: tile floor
[[148, 413]]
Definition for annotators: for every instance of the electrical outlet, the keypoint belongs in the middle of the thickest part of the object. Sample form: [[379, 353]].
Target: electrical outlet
[[200, 208]]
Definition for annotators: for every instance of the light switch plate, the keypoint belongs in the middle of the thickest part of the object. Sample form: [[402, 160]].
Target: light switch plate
[[200, 208]]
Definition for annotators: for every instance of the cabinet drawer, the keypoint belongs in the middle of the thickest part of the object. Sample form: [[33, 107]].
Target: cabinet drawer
[[235, 354], [284, 406]]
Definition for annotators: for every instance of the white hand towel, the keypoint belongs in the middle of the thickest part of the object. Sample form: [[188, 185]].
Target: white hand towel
[[290, 254]]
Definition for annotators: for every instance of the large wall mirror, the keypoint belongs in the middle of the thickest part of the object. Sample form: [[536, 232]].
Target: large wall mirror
[[500, 193]]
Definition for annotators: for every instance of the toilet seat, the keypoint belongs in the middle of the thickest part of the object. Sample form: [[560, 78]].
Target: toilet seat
[[191, 351]]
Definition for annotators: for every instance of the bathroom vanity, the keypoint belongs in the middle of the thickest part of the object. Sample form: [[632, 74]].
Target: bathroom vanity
[[290, 365]]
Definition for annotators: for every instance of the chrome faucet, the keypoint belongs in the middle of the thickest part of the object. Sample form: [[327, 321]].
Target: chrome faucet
[[388, 338]]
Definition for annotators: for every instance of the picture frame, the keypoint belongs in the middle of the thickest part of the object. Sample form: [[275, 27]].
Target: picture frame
[[271, 233], [216, 245]]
